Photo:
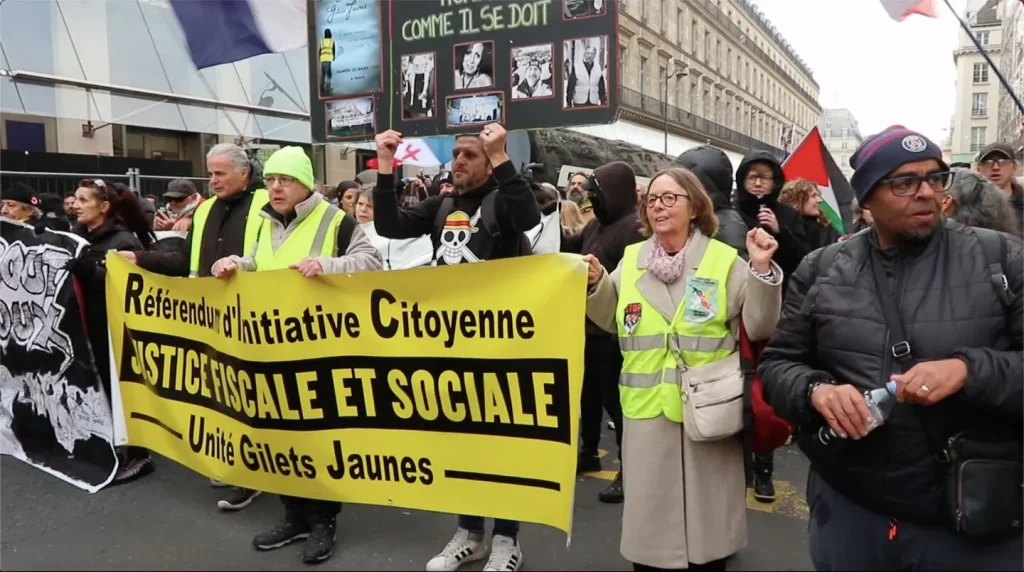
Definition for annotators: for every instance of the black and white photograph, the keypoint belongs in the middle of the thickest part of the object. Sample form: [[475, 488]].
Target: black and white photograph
[[477, 109], [532, 72], [350, 118], [474, 65], [580, 9], [419, 86], [586, 73]]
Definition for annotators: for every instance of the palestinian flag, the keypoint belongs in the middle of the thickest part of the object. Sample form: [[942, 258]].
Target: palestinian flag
[[811, 161], [899, 10]]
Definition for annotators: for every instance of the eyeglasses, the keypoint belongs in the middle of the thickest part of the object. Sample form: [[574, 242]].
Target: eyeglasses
[[667, 199], [752, 178], [1000, 162], [280, 179], [908, 185]]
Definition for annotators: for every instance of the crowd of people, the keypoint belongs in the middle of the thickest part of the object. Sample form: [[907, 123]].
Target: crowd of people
[[680, 273]]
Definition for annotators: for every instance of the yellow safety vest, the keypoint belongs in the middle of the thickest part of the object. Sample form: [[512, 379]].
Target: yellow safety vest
[[654, 350], [260, 198], [326, 50], [316, 235]]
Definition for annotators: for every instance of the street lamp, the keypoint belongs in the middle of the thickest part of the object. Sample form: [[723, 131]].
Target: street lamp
[[679, 72]]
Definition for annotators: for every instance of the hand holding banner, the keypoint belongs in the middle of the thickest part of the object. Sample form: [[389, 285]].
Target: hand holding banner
[[387, 388]]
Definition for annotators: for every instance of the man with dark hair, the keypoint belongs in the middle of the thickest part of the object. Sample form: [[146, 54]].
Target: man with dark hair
[[486, 218], [935, 308]]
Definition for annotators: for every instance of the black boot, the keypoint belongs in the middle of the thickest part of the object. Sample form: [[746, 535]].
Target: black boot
[[284, 533], [587, 463], [613, 493], [764, 488], [320, 544]]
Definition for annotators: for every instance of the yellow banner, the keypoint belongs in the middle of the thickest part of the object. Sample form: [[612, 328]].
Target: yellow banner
[[452, 389]]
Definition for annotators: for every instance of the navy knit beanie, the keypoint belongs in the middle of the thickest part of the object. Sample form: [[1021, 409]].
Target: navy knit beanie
[[884, 152]]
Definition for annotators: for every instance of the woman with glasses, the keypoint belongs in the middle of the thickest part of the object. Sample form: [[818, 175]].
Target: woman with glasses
[[110, 219], [677, 301]]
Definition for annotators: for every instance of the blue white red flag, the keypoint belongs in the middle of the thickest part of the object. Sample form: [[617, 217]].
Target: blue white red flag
[[225, 31]]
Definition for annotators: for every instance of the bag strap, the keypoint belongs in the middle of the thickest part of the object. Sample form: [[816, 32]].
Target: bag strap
[[901, 349], [827, 257], [489, 215], [993, 244], [443, 210]]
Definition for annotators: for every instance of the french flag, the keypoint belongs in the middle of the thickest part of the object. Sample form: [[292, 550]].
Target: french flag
[[899, 10], [225, 31]]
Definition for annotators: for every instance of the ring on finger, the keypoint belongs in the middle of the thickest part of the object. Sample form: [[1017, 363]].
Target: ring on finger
[[925, 389]]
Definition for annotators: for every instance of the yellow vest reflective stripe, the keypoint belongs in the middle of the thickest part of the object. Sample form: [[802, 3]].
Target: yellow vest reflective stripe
[[327, 50], [260, 198], [316, 235], [654, 350]]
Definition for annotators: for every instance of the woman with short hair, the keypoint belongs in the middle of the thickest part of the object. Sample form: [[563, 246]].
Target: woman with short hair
[[677, 301]]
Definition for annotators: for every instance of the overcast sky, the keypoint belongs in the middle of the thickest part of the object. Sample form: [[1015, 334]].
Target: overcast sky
[[885, 72]]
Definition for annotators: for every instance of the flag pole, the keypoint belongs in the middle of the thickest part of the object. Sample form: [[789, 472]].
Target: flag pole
[[993, 66]]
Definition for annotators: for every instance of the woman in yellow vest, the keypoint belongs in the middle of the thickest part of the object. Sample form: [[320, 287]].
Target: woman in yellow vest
[[301, 230], [677, 301]]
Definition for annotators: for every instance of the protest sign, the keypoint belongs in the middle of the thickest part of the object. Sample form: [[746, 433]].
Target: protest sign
[[386, 388], [54, 413], [436, 67]]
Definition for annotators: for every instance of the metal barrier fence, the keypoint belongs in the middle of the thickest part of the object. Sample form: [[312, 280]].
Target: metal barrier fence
[[64, 184]]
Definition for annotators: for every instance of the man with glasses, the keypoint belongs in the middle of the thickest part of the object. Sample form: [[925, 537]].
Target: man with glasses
[[182, 201], [922, 303], [998, 163]]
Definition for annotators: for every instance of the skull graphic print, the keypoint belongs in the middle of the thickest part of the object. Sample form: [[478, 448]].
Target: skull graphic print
[[458, 229]]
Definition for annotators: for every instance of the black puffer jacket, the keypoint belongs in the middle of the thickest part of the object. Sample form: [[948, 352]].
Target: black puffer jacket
[[835, 330], [714, 169]]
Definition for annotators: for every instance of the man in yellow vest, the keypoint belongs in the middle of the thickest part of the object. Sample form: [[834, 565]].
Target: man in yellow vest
[[222, 225], [326, 61], [301, 230]]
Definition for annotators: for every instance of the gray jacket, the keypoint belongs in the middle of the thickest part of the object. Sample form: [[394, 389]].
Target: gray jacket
[[360, 256], [833, 329]]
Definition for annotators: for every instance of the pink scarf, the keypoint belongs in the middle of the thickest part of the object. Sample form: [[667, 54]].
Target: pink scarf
[[664, 266]]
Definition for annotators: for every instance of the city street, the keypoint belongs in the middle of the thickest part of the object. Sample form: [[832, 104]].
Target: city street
[[169, 520]]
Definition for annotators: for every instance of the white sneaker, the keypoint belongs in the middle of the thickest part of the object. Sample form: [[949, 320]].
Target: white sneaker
[[462, 548], [506, 556]]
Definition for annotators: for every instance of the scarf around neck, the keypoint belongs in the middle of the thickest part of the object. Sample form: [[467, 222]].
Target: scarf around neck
[[664, 266]]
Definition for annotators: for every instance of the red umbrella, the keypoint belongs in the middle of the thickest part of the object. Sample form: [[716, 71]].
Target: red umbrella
[[373, 163]]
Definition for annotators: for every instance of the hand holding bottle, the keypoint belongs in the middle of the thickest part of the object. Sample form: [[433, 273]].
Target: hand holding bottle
[[844, 409]]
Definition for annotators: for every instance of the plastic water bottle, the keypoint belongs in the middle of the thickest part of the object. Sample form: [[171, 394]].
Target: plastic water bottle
[[880, 402]]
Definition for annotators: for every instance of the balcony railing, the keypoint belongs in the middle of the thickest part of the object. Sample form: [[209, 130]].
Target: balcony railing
[[743, 40], [632, 99]]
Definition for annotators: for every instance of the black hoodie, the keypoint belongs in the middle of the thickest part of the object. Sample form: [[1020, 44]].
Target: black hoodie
[[615, 225], [516, 206], [713, 168], [793, 244]]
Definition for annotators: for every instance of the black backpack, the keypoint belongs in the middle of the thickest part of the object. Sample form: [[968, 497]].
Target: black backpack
[[488, 218], [993, 244]]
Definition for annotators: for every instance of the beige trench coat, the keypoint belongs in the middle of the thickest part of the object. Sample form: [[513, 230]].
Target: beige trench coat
[[685, 500]]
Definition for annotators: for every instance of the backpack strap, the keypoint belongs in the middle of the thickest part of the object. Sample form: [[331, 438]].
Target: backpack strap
[[443, 210], [825, 260], [489, 215], [993, 245], [345, 231]]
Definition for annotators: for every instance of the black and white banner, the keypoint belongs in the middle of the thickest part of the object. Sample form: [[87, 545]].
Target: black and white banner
[[54, 413]]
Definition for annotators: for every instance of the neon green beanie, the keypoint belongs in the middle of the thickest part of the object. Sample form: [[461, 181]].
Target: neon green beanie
[[291, 162]]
